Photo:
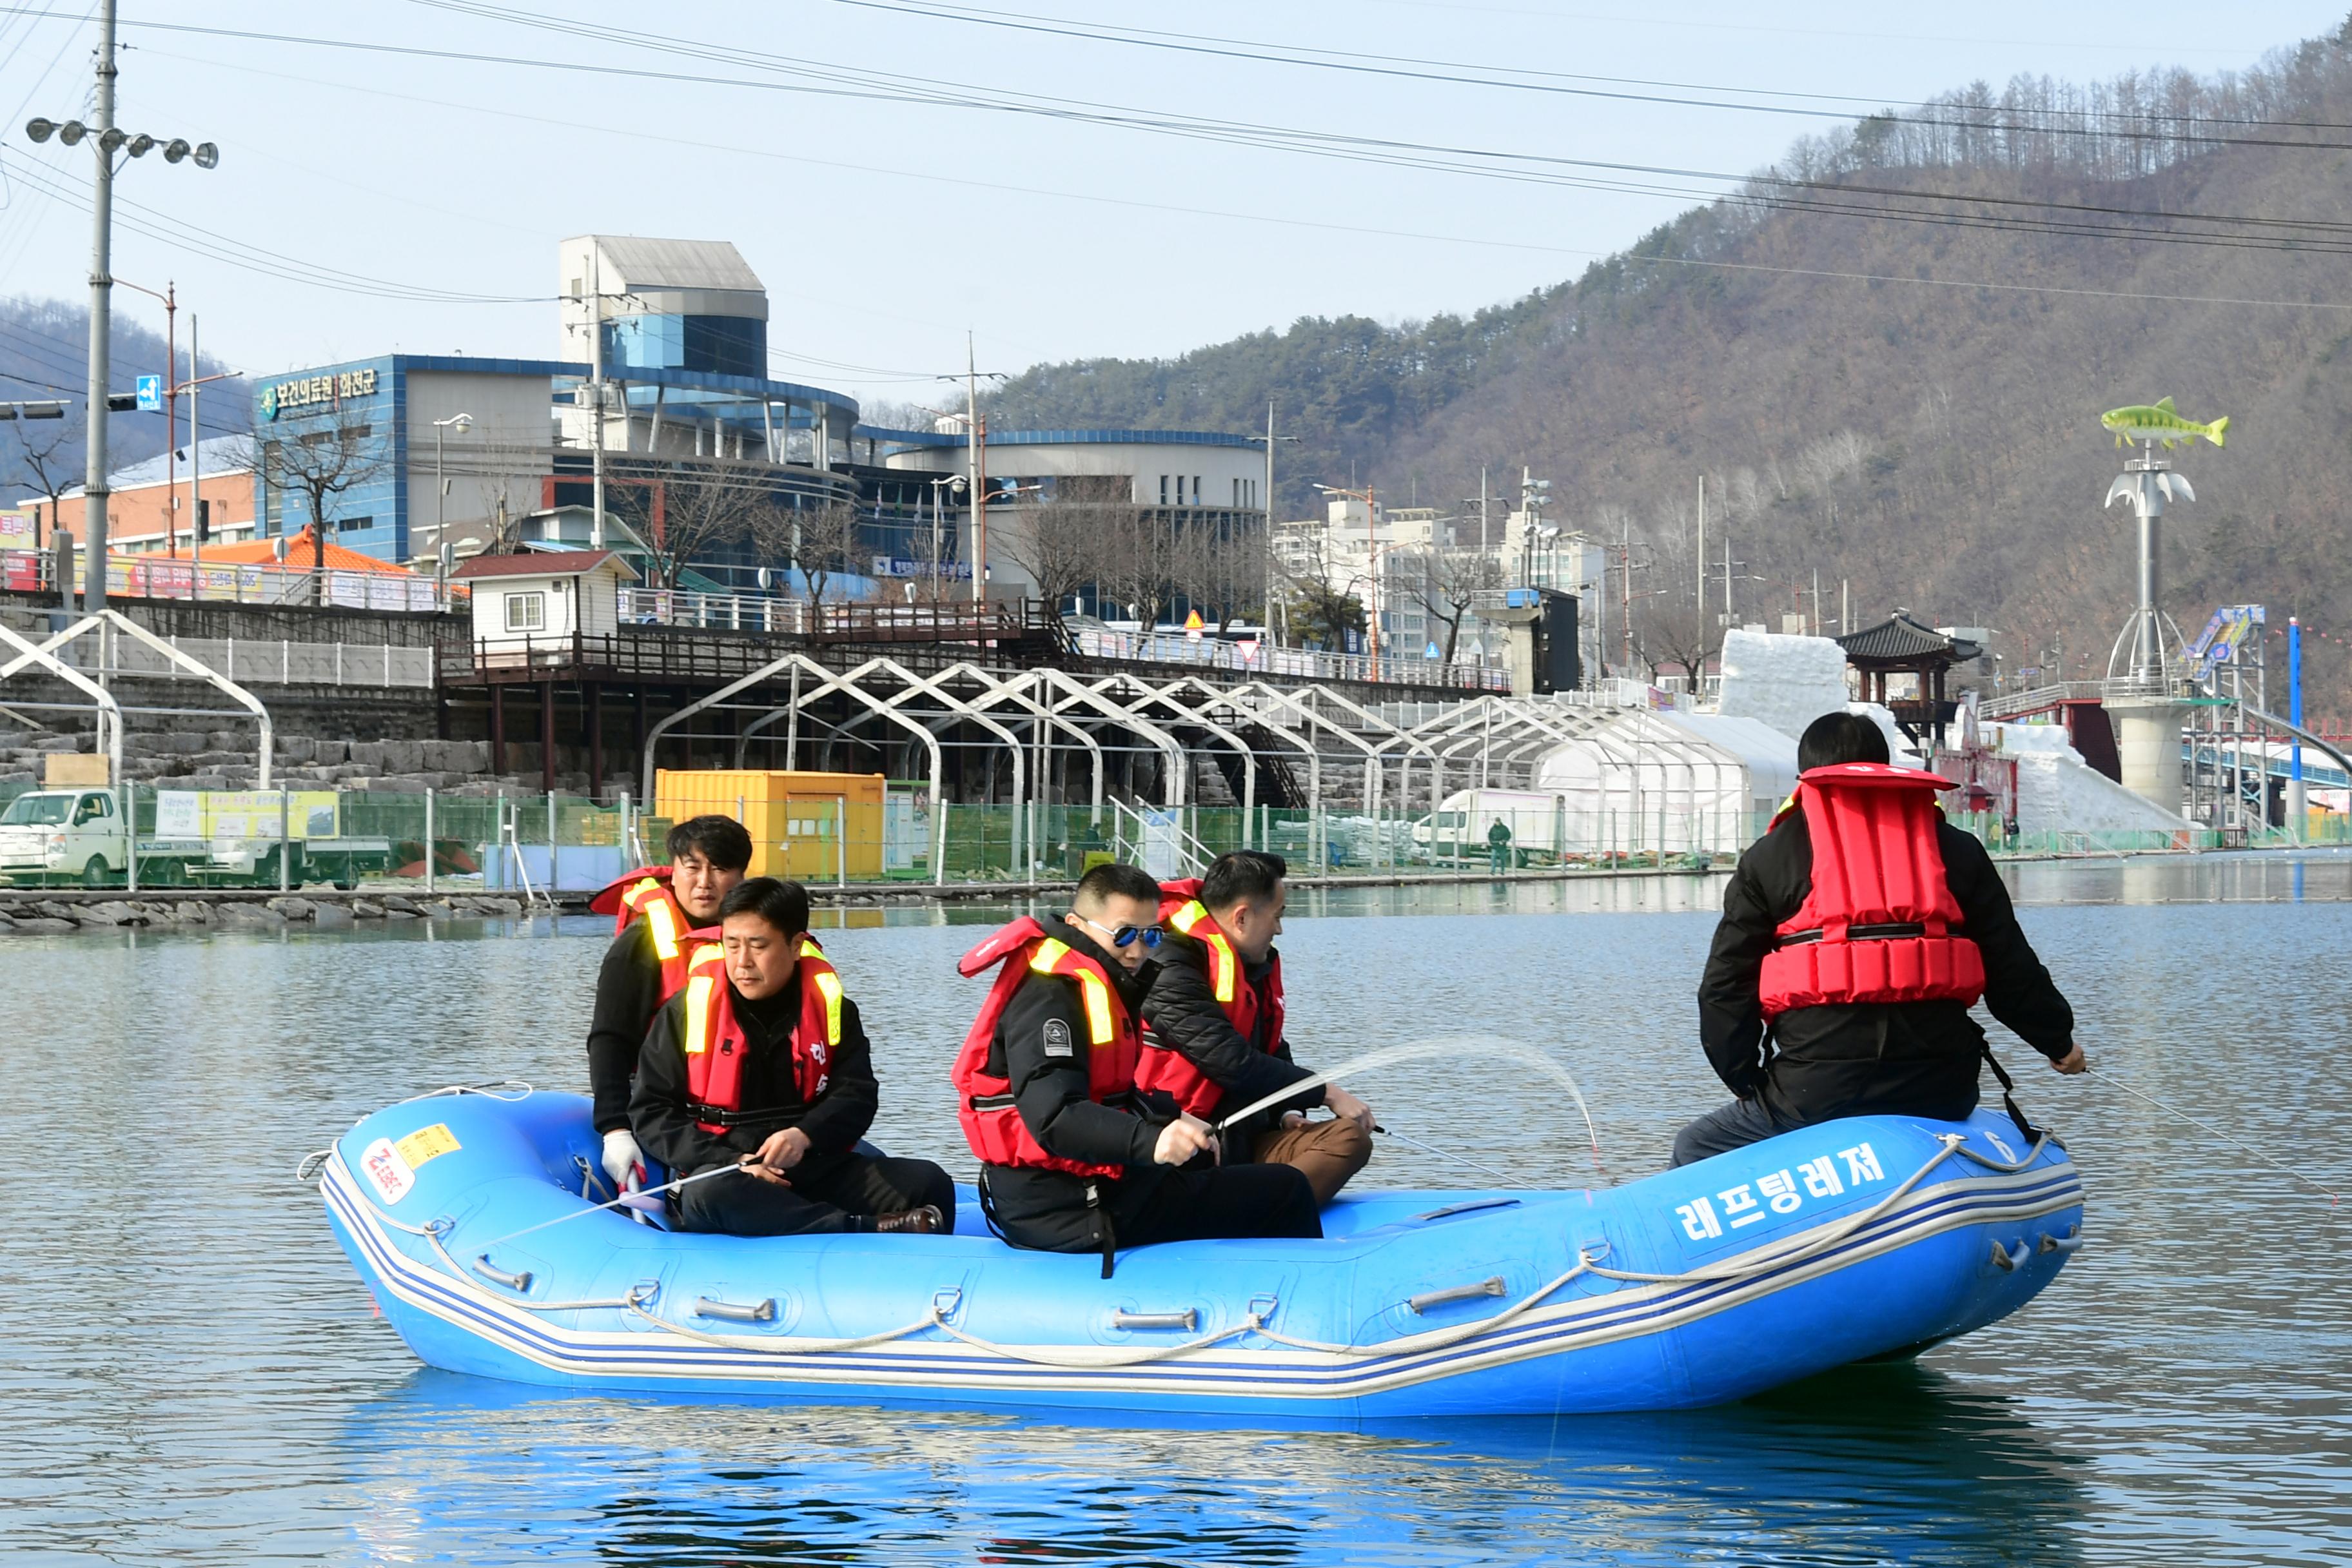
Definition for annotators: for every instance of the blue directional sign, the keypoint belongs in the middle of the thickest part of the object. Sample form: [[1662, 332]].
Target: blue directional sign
[[151, 394]]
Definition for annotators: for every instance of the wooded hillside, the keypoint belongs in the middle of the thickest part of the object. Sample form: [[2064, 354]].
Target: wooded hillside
[[1808, 345]]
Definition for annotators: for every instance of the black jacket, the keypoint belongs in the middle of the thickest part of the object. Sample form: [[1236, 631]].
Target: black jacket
[[1918, 1057], [667, 1129], [1180, 1013], [629, 994], [1041, 1047]]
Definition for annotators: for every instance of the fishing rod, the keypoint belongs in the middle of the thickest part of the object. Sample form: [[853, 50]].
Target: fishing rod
[[2175, 1111], [1456, 1046]]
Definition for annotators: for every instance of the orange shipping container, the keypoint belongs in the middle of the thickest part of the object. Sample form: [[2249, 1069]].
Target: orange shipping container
[[810, 828]]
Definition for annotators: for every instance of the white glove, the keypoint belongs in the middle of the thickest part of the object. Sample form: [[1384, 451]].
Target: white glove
[[624, 1163]]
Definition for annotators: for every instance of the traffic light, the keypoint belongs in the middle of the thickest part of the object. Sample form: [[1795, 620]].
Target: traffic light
[[122, 403], [204, 522]]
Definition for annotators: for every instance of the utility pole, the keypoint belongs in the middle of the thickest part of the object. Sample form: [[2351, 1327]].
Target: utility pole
[[196, 475], [973, 458], [1267, 501], [596, 383], [1702, 560], [1817, 600], [102, 322]]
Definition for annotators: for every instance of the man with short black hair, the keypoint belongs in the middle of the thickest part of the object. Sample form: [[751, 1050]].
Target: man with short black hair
[[1841, 980], [658, 909], [1213, 1025], [1075, 1157], [761, 1063]]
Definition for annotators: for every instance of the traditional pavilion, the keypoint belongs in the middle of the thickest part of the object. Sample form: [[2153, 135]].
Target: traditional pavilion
[[1901, 646]]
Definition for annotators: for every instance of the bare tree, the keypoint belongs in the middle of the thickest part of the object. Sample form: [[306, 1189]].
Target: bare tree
[[1451, 580], [324, 466], [1137, 563], [820, 540], [701, 503], [1063, 543], [52, 459]]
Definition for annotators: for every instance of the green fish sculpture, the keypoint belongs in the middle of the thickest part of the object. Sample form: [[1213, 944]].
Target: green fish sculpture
[[2160, 422]]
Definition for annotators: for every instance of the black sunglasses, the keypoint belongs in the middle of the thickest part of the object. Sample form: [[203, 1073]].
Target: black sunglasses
[[1125, 936]]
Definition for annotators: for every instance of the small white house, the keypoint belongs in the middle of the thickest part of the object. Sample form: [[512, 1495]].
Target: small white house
[[544, 596]]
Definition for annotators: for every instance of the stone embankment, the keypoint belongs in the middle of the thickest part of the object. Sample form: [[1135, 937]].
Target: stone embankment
[[33, 914]]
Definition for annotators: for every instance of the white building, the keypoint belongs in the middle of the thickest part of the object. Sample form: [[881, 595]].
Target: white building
[[1195, 477], [544, 596]]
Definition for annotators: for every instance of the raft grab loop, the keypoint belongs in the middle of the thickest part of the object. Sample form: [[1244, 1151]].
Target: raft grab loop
[[1187, 1320], [762, 1311], [1489, 1286]]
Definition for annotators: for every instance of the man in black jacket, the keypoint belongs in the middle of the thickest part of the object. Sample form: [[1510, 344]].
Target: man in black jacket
[[1918, 1058], [1243, 897], [708, 857], [1171, 1187], [797, 1169]]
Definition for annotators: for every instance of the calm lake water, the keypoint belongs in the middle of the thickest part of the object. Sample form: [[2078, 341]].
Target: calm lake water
[[194, 1375]]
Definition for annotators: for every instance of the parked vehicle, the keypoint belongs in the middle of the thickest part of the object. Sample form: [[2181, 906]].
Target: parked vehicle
[[1458, 832], [229, 838]]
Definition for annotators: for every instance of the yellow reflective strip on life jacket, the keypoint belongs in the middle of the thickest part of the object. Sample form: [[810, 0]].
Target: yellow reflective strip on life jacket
[[1224, 966], [1191, 915], [1098, 996], [665, 926], [1049, 953], [698, 1015], [828, 985]]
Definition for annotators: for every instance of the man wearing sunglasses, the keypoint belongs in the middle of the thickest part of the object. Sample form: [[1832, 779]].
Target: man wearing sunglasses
[[1075, 1157], [1212, 1025]]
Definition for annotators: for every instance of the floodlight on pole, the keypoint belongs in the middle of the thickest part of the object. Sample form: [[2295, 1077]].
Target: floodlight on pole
[[109, 140], [461, 423]]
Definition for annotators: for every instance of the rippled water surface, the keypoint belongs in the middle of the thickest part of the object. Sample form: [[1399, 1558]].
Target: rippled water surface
[[194, 1375]]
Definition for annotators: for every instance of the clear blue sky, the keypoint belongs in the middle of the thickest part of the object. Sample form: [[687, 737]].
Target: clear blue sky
[[884, 229]]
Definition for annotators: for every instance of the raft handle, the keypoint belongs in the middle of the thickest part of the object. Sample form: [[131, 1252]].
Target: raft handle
[[735, 1312], [1491, 1285], [1450, 1210], [2066, 1243], [1188, 1319], [518, 1283], [2005, 1260]]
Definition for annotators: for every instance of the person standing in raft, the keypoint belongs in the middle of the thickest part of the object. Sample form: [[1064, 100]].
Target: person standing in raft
[[1212, 1034], [664, 915], [1075, 1156], [1855, 936], [760, 1062]]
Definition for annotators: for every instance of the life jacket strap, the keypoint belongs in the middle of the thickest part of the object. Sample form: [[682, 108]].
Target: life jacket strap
[[1887, 931]]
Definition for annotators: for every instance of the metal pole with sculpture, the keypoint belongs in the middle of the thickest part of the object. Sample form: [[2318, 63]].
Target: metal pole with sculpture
[[2143, 688]]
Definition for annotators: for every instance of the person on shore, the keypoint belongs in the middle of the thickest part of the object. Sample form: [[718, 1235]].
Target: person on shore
[[1075, 1156], [662, 918], [1498, 846], [1213, 1025], [1855, 936], [761, 1064]]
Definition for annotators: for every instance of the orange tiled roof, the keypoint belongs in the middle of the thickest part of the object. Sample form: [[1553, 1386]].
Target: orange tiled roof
[[263, 552]]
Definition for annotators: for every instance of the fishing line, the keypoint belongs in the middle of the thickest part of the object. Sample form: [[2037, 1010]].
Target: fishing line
[[1457, 1046], [624, 1200], [1457, 1159], [2174, 1110]]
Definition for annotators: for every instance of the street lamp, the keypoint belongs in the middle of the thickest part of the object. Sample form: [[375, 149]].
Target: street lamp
[[1266, 503], [953, 484], [461, 423], [106, 140]]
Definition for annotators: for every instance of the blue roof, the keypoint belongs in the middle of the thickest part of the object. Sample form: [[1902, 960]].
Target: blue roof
[[1063, 438], [222, 454]]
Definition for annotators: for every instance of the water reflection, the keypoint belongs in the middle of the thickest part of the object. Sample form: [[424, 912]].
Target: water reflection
[[1877, 1464]]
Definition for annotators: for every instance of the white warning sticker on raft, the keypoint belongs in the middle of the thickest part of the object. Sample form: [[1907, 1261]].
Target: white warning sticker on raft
[[390, 1175]]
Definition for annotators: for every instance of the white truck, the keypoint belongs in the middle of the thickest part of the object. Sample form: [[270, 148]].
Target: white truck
[[1457, 832], [56, 836]]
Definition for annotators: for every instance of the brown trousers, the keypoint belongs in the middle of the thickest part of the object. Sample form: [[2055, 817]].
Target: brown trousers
[[1327, 1151]]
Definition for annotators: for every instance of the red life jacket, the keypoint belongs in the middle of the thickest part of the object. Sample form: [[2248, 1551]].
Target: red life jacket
[[991, 1123], [676, 940], [715, 1045], [1255, 1012], [1877, 923]]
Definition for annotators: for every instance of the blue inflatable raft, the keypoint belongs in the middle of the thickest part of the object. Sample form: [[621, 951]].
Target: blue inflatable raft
[[1863, 1239]]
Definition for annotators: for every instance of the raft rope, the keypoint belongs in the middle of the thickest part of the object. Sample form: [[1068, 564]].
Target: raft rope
[[2175, 1111], [1254, 1321]]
